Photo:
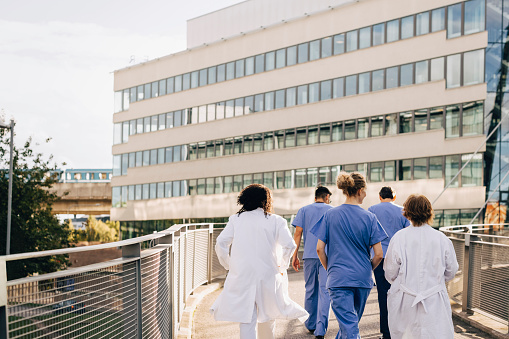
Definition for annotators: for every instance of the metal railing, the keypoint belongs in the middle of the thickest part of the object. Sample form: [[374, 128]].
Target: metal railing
[[481, 283], [140, 295]]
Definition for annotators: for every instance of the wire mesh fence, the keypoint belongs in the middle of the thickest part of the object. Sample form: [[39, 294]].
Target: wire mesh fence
[[481, 282], [140, 295]]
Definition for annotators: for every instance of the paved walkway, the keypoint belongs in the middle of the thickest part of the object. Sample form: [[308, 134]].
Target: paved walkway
[[206, 327]]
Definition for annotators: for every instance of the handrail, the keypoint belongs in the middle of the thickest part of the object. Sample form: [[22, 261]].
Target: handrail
[[483, 266], [140, 294], [116, 244]]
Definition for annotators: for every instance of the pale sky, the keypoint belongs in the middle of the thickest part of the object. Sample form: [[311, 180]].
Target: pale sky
[[56, 63]]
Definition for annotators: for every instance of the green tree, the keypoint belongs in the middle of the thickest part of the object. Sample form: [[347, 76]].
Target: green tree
[[33, 225], [97, 230]]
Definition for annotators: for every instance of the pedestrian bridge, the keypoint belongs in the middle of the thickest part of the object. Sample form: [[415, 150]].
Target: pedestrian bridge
[[142, 293]]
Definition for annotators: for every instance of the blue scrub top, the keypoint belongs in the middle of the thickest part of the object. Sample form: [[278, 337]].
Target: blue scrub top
[[306, 218], [391, 217], [349, 231]]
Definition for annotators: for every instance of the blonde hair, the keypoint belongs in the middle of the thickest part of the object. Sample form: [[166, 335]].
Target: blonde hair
[[350, 183]]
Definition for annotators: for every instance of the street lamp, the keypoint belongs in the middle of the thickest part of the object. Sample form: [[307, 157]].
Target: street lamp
[[9, 199]]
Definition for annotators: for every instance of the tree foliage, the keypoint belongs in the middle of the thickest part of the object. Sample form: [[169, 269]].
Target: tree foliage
[[33, 225], [97, 230]]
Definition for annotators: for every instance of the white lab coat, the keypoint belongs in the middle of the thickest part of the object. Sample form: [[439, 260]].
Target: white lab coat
[[261, 247], [418, 262]]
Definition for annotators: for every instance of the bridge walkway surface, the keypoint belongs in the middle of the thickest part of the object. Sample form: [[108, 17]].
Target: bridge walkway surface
[[204, 325]]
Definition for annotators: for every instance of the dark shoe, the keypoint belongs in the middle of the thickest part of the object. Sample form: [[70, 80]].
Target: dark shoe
[[319, 337], [311, 331]]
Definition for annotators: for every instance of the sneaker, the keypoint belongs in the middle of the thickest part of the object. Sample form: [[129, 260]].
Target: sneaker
[[311, 331], [319, 337]]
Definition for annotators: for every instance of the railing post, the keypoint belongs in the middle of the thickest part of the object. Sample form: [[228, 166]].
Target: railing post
[[210, 252], [134, 251], [465, 297], [4, 321]]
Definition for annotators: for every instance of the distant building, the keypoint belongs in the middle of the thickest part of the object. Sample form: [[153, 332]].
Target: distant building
[[289, 93]]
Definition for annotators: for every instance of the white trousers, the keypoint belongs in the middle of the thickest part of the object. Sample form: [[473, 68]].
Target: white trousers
[[265, 330]]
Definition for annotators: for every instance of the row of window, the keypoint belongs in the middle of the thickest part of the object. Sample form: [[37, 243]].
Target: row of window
[[461, 69], [138, 228], [394, 170], [460, 120], [463, 18]]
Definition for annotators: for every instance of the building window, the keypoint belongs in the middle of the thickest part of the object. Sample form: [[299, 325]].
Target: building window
[[303, 53], [435, 167], [474, 16], [421, 120], [405, 122], [351, 85], [326, 47], [420, 168], [472, 118], [473, 67], [378, 81], [393, 30], [405, 169], [452, 163], [314, 50], [422, 23], [364, 82], [452, 121], [351, 41], [379, 34], [392, 77], [407, 27], [421, 72], [339, 44], [454, 21], [472, 173], [437, 69], [365, 37], [375, 173], [453, 71], [377, 126], [438, 19], [390, 171]]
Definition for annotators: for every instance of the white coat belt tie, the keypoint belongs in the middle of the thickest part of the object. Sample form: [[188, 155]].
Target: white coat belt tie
[[420, 297]]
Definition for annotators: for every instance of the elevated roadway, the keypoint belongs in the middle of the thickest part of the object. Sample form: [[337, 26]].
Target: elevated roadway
[[92, 198]]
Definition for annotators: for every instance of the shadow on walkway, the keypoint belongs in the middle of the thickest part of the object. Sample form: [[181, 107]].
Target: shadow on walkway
[[206, 327]]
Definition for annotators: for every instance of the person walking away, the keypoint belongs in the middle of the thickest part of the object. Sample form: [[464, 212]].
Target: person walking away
[[256, 287], [418, 263], [349, 232], [317, 301], [391, 217]]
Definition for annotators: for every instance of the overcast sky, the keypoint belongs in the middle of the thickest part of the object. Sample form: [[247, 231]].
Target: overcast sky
[[56, 63]]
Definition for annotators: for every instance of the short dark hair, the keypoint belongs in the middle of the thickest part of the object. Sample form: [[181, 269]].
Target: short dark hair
[[254, 196], [387, 193], [321, 192]]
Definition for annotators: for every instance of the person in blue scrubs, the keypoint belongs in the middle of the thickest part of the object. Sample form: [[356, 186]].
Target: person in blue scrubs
[[317, 301], [349, 232], [391, 217]]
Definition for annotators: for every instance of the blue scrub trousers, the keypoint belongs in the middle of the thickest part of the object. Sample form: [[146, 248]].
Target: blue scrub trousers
[[317, 301], [382, 286], [348, 305]]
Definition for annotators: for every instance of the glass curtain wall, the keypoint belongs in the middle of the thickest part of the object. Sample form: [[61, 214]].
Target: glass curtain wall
[[496, 163]]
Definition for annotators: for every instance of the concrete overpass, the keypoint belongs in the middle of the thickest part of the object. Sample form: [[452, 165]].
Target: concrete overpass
[[92, 198]]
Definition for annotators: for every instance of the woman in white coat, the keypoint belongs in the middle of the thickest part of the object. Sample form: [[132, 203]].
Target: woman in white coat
[[418, 263], [256, 288]]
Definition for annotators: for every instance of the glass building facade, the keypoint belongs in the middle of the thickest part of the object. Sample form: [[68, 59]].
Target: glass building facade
[[407, 100], [496, 161]]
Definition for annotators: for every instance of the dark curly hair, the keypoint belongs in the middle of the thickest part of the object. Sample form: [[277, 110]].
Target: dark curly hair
[[254, 196], [418, 210]]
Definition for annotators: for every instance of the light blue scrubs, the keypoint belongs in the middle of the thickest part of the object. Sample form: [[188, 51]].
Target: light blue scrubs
[[391, 217], [349, 232], [317, 301]]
